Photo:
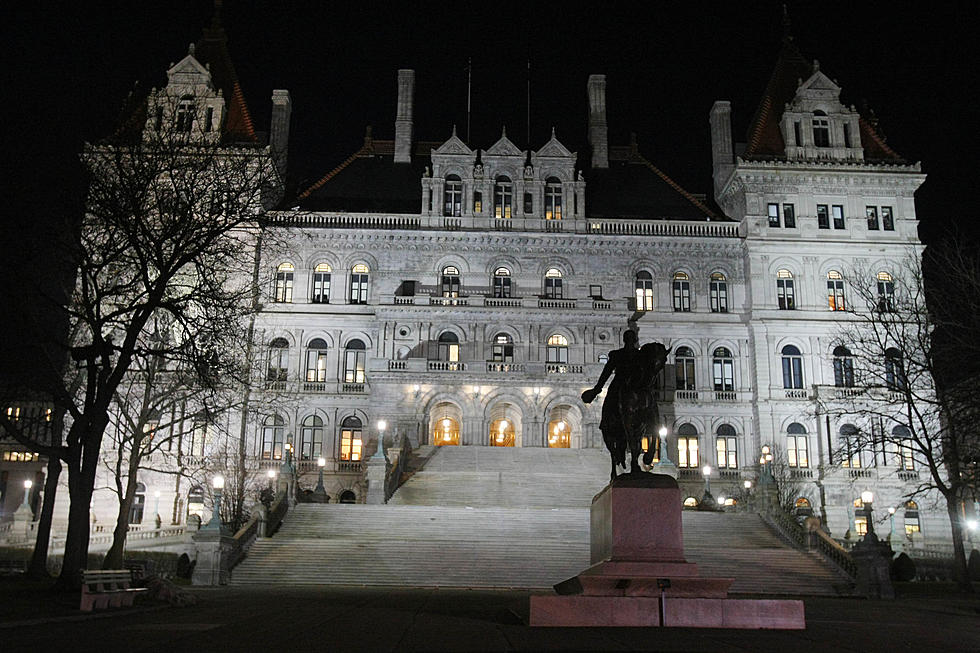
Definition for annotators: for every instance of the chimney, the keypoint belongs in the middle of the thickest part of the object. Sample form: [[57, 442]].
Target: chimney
[[282, 108], [598, 132], [722, 154], [403, 119]]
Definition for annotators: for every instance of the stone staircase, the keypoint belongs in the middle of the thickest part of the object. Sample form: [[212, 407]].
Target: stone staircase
[[504, 518]]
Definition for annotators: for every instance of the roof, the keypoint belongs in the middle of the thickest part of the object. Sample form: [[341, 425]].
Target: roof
[[213, 49], [764, 138], [370, 181]]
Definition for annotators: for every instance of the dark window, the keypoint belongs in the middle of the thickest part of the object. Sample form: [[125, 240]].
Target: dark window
[[682, 293], [823, 216], [886, 292], [789, 216], [821, 129], [185, 114], [448, 347], [320, 293], [894, 370], [723, 370], [278, 360], [838, 212], [684, 369], [528, 204], [792, 367], [209, 119], [452, 195], [872, 213], [450, 281], [283, 292], [847, 135], [797, 136], [887, 221], [718, 287], [785, 292], [843, 367], [502, 349], [354, 356], [773, 215], [553, 284], [501, 283]]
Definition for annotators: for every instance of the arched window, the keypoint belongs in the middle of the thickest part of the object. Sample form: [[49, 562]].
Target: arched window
[[553, 284], [278, 360], [687, 446], [448, 347], [886, 292], [452, 196], [311, 438], [851, 446], [895, 378], [557, 349], [350, 439], [552, 199], [723, 370], [684, 368], [273, 437], [501, 283], [726, 446], [502, 433], [136, 508], [691, 502], [821, 129], [354, 357], [802, 507], [644, 291], [682, 292], [347, 496], [502, 348], [912, 524], [902, 438], [320, 292], [359, 278], [503, 197], [284, 284], [785, 291], [450, 281], [792, 367], [719, 293], [195, 501], [843, 367], [185, 119], [316, 361], [797, 446], [835, 291]]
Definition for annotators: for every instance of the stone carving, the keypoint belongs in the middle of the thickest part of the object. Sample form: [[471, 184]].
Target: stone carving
[[630, 407]]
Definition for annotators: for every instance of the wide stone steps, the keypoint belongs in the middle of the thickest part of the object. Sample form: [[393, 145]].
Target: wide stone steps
[[451, 546]]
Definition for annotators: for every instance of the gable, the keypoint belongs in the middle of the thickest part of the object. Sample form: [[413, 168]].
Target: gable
[[453, 146], [504, 147], [554, 148]]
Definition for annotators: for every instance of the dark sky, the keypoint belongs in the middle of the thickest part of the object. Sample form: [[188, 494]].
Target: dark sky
[[68, 71]]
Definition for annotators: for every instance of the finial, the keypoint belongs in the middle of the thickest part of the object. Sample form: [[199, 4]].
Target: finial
[[787, 27], [816, 66], [503, 131], [553, 131], [190, 49], [454, 129]]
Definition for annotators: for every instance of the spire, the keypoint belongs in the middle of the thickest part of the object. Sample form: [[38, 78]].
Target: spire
[[787, 27], [216, 17]]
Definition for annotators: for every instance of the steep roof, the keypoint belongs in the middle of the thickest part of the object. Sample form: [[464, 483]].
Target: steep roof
[[764, 138], [213, 49]]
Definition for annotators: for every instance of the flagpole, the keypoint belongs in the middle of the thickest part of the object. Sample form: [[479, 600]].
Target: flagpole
[[469, 93]]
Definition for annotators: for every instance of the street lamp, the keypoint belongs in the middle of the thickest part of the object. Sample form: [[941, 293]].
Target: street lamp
[[218, 483], [867, 498], [156, 503], [320, 462], [891, 523], [380, 452], [706, 470], [28, 484], [272, 478]]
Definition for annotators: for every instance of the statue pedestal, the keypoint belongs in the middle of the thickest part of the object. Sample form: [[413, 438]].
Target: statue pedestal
[[639, 576]]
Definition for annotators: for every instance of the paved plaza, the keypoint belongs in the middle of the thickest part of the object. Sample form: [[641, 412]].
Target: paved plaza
[[357, 619]]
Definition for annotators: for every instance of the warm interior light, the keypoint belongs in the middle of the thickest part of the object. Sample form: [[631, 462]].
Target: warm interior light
[[560, 426], [218, 482], [503, 425], [446, 423]]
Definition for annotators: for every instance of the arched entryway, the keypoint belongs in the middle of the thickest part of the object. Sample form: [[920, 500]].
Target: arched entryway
[[445, 425], [348, 496], [504, 425]]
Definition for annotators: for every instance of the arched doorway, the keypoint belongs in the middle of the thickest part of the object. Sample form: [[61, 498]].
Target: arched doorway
[[348, 496], [504, 425], [561, 427], [445, 420]]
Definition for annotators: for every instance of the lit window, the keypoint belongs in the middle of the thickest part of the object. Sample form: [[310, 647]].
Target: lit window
[[273, 434], [354, 356], [316, 361], [553, 284], [872, 213], [895, 378], [789, 216], [552, 199], [838, 213], [452, 196], [502, 349], [477, 202], [687, 446], [501, 283], [902, 436], [723, 370], [835, 291], [284, 283], [359, 278], [682, 293], [773, 215], [557, 349], [785, 290], [851, 447], [821, 129], [644, 291], [718, 288], [502, 433], [912, 524], [823, 216], [450, 281], [350, 439], [843, 367], [726, 445], [185, 114], [559, 433], [448, 349], [136, 507], [797, 446], [886, 293], [311, 438], [792, 367], [887, 220], [278, 360], [503, 197], [446, 432], [321, 284], [684, 368]]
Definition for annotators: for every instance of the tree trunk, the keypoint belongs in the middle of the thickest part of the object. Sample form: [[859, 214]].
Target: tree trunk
[[114, 556], [39, 559], [81, 483], [961, 573]]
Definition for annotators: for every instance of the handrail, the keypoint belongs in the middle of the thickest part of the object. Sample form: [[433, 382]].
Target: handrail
[[394, 476], [243, 540], [277, 511], [809, 540]]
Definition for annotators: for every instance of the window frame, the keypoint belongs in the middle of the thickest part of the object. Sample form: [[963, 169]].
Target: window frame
[[355, 358], [282, 290], [452, 196], [360, 279], [553, 284], [552, 199], [681, 292], [643, 290], [685, 369], [792, 365], [503, 197], [785, 290], [718, 292], [722, 361], [320, 284]]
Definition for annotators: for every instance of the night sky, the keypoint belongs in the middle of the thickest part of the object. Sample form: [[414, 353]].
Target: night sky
[[68, 71]]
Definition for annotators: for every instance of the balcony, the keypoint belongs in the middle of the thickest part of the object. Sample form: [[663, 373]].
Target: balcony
[[503, 302], [908, 475], [317, 387], [353, 388], [350, 466], [730, 474], [796, 394], [801, 473], [685, 395], [506, 368], [564, 304], [726, 395], [446, 366], [562, 368]]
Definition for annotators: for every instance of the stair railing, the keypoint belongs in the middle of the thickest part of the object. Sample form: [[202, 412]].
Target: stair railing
[[393, 478], [277, 511], [811, 540], [243, 540]]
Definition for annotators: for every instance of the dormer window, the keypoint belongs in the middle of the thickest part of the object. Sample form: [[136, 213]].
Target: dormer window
[[821, 129], [503, 197], [552, 199], [185, 114], [452, 196]]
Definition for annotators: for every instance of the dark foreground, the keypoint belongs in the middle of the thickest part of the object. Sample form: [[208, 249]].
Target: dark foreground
[[357, 619]]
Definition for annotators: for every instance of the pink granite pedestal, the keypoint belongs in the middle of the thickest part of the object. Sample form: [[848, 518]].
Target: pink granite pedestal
[[637, 550]]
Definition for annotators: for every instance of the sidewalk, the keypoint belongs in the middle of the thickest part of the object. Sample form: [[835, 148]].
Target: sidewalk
[[358, 619]]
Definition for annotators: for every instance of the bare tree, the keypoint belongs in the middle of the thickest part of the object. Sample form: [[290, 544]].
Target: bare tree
[[891, 352]]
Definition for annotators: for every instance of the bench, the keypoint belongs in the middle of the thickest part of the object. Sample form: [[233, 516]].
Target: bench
[[108, 589], [11, 567]]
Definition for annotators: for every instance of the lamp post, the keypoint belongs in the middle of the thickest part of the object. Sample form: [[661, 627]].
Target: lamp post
[[707, 499], [28, 484], [272, 479], [867, 498], [156, 503], [664, 449], [218, 483], [380, 451], [320, 462], [891, 523]]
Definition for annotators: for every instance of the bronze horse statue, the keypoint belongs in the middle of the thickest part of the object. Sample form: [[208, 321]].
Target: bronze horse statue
[[629, 410]]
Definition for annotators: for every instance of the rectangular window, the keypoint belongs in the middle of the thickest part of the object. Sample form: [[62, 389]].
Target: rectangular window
[[687, 451], [872, 213], [887, 221], [284, 287], [682, 296], [797, 135], [719, 296], [847, 135], [838, 211], [823, 216], [723, 371], [477, 202], [209, 119], [796, 451], [907, 460], [358, 288], [350, 444], [785, 294], [773, 215], [789, 216], [595, 291], [321, 288], [528, 204], [727, 452], [684, 373]]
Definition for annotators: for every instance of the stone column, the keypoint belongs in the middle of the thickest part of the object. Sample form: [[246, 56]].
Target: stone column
[[214, 548]]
